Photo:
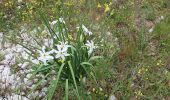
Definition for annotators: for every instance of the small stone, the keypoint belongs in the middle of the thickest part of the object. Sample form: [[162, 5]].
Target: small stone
[[25, 65], [36, 93], [1, 67], [35, 80], [44, 82], [30, 96], [112, 97], [18, 79], [44, 89], [53, 72], [25, 80], [29, 83], [13, 87], [84, 80], [28, 76], [42, 94], [150, 30]]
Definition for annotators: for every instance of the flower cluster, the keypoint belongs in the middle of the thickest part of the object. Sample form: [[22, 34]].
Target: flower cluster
[[62, 55], [86, 30], [60, 52], [58, 49], [90, 45]]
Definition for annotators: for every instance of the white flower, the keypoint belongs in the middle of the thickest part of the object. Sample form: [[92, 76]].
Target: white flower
[[61, 51], [90, 45], [63, 45], [44, 56], [86, 30], [54, 22], [151, 30], [48, 42], [35, 61], [162, 17], [61, 20], [19, 1]]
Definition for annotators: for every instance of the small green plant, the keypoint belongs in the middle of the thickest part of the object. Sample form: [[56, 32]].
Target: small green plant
[[1, 56], [70, 58]]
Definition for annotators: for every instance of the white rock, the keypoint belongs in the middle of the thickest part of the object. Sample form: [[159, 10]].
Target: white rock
[[84, 80], [25, 80], [13, 87], [1, 67], [35, 61], [18, 79], [162, 17], [25, 55], [44, 82], [28, 76], [29, 83], [53, 72], [6, 72], [24, 65], [7, 45], [36, 93], [42, 94], [19, 48], [45, 89], [112, 97], [150, 30], [19, 1], [3, 86], [35, 80], [20, 64], [9, 56]]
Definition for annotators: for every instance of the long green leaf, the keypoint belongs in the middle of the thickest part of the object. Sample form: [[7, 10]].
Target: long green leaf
[[66, 89], [42, 69], [73, 76], [92, 69], [95, 57], [53, 85], [86, 63]]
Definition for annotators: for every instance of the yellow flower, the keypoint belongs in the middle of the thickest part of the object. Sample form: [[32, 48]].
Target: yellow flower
[[106, 95], [98, 5], [70, 37], [139, 71], [139, 93], [106, 8], [159, 63], [100, 89], [61, 60], [110, 3], [93, 89], [146, 69]]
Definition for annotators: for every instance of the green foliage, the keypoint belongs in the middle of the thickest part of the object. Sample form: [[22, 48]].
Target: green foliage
[[70, 61], [127, 70]]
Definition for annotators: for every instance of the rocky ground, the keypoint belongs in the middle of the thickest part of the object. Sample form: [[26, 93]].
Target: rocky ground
[[8, 80]]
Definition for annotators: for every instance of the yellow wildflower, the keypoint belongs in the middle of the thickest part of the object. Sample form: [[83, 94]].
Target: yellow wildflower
[[61, 60], [106, 8], [110, 3], [106, 95], [139, 93], [98, 5], [93, 89], [139, 71], [70, 37]]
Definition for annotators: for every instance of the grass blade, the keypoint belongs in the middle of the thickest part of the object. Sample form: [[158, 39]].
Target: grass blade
[[53, 85], [66, 89], [72, 73]]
